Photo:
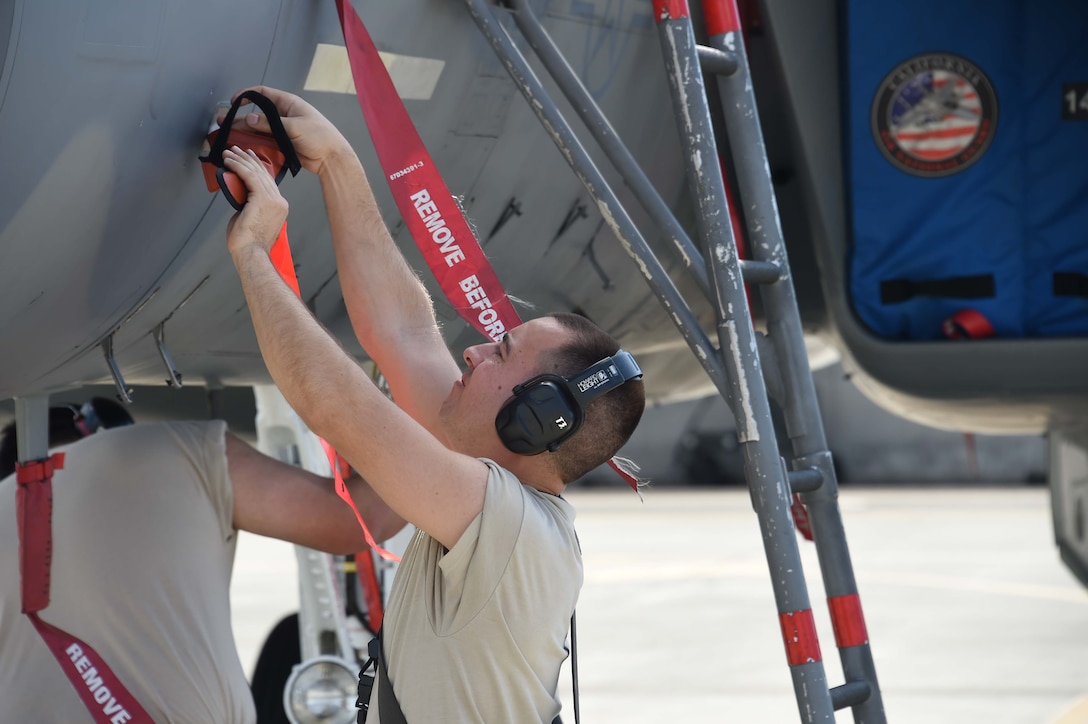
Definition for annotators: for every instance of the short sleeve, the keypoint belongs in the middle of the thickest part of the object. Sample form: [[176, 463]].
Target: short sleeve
[[205, 444]]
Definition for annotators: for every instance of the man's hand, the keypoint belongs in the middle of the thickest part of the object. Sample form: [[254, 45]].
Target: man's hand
[[258, 224], [315, 139]]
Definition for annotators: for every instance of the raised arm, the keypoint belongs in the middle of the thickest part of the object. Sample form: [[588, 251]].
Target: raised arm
[[424, 482], [282, 501], [390, 310]]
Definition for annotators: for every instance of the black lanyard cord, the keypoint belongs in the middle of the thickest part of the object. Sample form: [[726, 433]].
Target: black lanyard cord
[[574, 666]]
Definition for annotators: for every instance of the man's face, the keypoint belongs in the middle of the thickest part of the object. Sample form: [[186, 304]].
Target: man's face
[[493, 369]]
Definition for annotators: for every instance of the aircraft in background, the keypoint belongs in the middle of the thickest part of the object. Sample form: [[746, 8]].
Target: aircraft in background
[[112, 252]]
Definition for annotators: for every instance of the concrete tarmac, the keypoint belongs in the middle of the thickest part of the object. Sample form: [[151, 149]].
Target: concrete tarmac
[[971, 616]]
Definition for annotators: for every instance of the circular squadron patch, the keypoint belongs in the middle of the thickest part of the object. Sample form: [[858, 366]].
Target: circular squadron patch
[[934, 115]]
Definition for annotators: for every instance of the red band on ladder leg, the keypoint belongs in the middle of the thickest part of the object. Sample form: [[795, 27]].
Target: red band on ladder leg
[[848, 621], [799, 635], [670, 10], [721, 16]]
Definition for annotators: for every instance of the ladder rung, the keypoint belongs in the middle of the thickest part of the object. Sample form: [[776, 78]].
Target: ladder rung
[[805, 480], [850, 694], [719, 62], [760, 272]]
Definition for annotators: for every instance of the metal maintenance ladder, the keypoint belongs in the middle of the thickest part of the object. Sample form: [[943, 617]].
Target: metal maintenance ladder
[[745, 366]]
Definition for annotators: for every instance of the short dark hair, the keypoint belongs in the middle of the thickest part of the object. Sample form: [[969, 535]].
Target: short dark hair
[[64, 428], [611, 418]]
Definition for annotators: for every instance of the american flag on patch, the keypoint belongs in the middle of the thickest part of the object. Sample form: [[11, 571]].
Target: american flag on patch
[[935, 115]]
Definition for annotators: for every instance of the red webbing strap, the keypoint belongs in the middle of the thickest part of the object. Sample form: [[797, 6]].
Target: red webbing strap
[[345, 495], [34, 506], [372, 591], [105, 697], [425, 202], [281, 259]]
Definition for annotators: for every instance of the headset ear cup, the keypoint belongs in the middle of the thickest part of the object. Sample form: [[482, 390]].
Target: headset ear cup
[[517, 426], [538, 417], [528, 425]]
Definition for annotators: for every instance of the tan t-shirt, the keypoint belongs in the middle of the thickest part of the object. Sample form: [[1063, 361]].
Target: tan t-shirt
[[478, 633], [142, 554]]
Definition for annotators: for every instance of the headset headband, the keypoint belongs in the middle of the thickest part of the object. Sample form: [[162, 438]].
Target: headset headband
[[608, 374]]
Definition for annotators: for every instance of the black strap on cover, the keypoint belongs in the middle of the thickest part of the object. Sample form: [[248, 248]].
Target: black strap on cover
[[1070, 284], [894, 291], [279, 133]]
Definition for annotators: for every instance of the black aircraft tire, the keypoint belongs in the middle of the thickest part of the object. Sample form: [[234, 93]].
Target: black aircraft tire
[[280, 653]]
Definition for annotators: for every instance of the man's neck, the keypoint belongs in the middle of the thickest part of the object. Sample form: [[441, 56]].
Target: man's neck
[[535, 474], [556, 490]]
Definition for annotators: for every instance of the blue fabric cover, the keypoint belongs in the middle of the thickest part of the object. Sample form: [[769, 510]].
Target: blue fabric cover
[[1019, 212]]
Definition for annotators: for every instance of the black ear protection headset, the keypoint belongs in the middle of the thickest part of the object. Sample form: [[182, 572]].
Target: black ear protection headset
[[545, 411]]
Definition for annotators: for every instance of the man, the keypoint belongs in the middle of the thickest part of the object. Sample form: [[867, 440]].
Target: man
[[144, 522], [476, 623]]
